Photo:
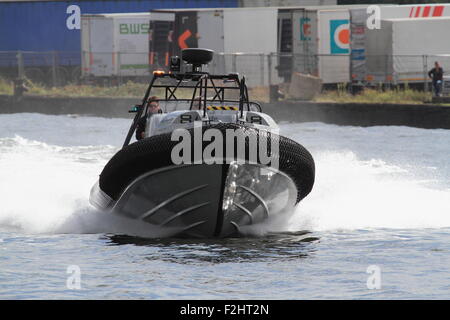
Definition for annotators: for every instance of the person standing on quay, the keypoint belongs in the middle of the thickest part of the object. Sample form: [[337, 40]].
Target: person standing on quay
[[437, 75]]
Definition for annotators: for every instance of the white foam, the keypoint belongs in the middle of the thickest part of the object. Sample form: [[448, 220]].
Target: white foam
[[354, 194], [42, 185], [45, 189]]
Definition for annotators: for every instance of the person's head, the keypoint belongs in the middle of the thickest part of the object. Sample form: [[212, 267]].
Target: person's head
[[153, 104], [436, 64]]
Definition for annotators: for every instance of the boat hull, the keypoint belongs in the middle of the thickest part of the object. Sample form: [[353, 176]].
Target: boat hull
[[202, 200]]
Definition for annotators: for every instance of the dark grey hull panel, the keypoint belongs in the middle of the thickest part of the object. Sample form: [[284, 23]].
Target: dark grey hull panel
[[217, 200]]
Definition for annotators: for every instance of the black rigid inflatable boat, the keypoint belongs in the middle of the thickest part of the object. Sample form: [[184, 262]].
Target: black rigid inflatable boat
[[210, 163]]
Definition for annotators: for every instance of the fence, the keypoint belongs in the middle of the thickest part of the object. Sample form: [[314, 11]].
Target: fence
[[50, 68], [397, 69], [60, 68]]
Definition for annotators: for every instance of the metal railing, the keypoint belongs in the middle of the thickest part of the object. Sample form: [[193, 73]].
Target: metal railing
[[60, 68]]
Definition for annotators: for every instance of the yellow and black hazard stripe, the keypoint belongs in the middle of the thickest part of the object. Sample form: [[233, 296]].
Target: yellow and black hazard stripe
[[222, 108]]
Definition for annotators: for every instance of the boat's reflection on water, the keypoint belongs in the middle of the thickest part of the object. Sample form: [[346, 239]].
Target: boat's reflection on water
[[282, 245]]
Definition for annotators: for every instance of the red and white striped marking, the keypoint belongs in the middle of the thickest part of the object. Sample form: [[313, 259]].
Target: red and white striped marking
[[426, 11]]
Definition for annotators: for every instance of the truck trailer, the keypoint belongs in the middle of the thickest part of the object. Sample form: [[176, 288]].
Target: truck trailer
[[242, 38], [330, 42], [300, 38], [371, 61], [117, 44], [401, 57]]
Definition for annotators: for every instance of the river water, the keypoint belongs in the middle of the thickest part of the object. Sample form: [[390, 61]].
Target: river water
[[376, 225]]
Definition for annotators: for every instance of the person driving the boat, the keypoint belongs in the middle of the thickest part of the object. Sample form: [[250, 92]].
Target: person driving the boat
[[152, 108], [153, 105]]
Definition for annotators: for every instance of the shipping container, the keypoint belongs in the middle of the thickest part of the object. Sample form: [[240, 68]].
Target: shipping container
[[400, 56], [43, 26], [361, 53]]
